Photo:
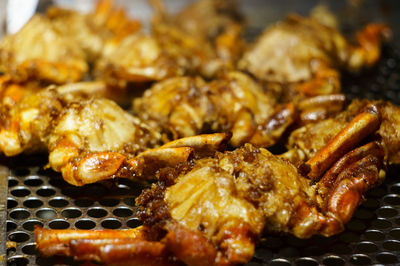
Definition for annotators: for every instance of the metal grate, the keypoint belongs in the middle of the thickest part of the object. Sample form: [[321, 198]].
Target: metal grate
[[41, 197]]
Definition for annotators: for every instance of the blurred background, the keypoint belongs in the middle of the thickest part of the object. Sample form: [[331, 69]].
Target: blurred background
[[260, 13]]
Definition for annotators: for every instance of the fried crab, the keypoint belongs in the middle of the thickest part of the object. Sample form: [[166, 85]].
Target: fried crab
[[90, 139], [186, 106], [172, 49], [205, 37], [208, 205], [136, 58], [213, 209], [38, 51], [303, 56], [59, 46], [107, 23]]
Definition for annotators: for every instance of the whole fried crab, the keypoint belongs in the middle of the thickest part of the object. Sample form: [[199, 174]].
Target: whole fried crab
[[59, 46], [38, 51], [186, 106], [91, 32], [204, 38], [302, 56], [213, 209]]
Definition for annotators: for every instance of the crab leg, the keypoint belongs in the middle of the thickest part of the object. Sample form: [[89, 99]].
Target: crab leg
[[112, 247], [342, 188], [327, 182], [354, 180], [361, 126], [121, 252], [320, 107], [339, 192]]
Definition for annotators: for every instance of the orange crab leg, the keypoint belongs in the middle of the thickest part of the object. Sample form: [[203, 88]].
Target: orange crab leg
[[57, 242], [328, 181], [320, 107], [112, 247], [120, 252], [361, 126], [339, 192], [349, 187]]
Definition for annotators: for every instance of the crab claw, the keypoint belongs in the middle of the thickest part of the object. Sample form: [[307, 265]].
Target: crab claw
[[143, 167], [360, 127], [147, 163], [202, 144]]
